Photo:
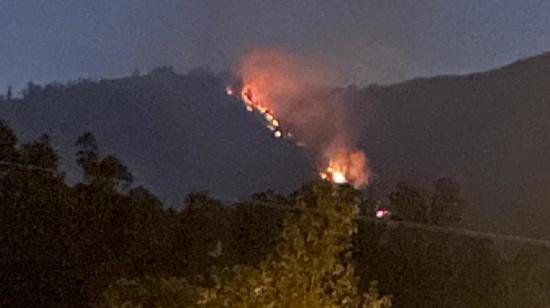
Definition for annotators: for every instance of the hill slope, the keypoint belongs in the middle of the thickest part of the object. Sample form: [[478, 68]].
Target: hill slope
[[179, 133], [176, 133], [488, 130]]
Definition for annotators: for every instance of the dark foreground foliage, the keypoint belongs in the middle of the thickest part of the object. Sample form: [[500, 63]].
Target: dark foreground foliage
[[310, 266], [64, 245]]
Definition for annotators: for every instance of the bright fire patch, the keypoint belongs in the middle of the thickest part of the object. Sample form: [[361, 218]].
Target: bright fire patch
[[345, 166], [334, 176], [284, 92], [254, 105]]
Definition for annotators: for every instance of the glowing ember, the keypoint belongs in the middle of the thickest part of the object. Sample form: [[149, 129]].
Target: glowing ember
[[346, 166], [229, 91], [252, 104]]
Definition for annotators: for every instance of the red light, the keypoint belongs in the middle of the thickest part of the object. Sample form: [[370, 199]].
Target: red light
[[382, 212]]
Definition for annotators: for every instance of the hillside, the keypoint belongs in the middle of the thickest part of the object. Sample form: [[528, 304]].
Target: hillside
[[177, 133], [490, 131], [180, 133]]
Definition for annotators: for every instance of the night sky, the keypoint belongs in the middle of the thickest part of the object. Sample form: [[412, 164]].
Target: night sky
[[362, 41]]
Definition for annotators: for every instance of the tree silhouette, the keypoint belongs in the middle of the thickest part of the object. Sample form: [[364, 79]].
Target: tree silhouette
[[8, 140], [9, 94], [446, 204], [108, 172], [443, 207], [39, 154], [88, 154], [410, 202], [310, 267]]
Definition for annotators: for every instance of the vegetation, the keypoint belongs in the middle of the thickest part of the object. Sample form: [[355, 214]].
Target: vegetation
[[104, 241], [310, 267]]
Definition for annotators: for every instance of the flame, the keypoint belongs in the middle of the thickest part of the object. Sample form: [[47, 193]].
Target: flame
[[332, 175], [346, 166], [253, 104], [286, 93]]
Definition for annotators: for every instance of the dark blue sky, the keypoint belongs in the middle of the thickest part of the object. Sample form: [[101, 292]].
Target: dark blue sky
[[363, 41]]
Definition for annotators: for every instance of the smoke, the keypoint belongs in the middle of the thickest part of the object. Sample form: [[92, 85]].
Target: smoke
[[296, 93]]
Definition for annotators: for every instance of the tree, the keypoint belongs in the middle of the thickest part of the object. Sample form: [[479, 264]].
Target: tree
[[170, 292], [9, 94], [410, 202], [8, 141], [529, 276], [33, 200], [32, 91], [310, 267], [205, 224], [39, 154], [446, 205], [255, 230], [448, 270], [108, 172], [112, 171], [88, 154]]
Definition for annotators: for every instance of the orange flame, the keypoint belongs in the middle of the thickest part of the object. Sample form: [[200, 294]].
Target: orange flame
[[252, 104], [286, 94], [346, 166]]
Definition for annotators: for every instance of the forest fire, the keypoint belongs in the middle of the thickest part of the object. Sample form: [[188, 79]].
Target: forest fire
[[284, 93], [332, 175], [346, 166], [254, 105]]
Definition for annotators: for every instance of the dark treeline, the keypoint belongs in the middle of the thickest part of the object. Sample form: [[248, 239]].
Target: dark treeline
[[418, 130], [63, 245]]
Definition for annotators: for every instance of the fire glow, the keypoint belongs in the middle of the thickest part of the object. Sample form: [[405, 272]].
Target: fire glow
[[253, 105], [346, 166], [285, 93], [332, 175]]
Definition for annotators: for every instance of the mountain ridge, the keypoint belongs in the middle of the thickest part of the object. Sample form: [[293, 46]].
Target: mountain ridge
[[180, 133]]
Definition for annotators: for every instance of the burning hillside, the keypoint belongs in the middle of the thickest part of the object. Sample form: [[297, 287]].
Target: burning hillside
[[293, 103]]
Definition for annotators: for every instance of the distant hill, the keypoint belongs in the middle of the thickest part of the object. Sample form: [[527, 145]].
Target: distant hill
[[178, 133], [490, 131]]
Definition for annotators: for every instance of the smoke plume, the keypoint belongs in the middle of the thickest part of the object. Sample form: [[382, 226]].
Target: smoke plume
[[295, 93]]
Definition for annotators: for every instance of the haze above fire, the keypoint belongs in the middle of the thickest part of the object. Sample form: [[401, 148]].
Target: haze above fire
[[364, 41], [289, 95]]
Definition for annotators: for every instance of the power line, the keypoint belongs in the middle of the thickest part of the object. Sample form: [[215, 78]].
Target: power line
[[460, 231], [431, 228], [406, 224], [26, 167]]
